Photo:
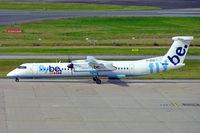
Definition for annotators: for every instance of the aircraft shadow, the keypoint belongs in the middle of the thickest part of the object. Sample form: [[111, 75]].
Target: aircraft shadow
[[118, 81], [152, 81]]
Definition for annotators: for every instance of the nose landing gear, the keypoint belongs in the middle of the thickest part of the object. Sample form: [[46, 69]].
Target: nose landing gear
[[16, 79], [97, 80]]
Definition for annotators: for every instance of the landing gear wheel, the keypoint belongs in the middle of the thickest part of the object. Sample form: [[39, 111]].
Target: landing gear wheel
[[95, 79], [98, 81], [16, 80]]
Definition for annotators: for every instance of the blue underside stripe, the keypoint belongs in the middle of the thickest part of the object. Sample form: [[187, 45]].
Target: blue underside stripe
[[116, 75]]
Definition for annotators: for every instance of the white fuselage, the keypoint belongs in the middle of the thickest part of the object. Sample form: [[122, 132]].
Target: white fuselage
[[122, 69]]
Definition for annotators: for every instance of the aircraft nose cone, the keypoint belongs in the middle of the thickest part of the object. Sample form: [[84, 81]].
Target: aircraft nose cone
[[11, 74]]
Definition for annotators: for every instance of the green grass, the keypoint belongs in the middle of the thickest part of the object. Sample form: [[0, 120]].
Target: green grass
[[107, 31], [47, 6], [92, 51], [190, 71]]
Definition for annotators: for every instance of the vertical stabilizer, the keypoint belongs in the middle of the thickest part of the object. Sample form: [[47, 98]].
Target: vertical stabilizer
[[178, 50]]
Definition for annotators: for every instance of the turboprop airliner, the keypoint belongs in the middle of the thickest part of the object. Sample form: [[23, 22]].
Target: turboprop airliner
[[91, 67]]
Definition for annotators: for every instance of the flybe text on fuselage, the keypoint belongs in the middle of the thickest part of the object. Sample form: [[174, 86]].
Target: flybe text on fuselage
[[50, 69]]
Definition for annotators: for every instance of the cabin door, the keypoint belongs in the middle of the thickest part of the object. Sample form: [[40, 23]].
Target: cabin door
[[131, 69], [34, 69]]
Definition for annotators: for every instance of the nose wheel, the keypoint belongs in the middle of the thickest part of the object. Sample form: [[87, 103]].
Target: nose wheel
[[97, 80], [16, 79]]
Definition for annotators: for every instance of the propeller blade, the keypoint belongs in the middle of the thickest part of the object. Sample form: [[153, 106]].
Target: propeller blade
[[71, 72], [69, 59]]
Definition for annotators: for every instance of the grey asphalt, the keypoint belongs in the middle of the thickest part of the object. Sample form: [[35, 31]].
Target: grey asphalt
[[117, 106], [22, 56], [11, 17]]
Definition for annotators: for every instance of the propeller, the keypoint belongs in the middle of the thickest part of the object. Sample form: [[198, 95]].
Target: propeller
[[69, 59], [71, 65]]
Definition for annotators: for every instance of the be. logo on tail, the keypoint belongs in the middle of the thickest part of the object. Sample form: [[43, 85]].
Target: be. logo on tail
[[180, 51]]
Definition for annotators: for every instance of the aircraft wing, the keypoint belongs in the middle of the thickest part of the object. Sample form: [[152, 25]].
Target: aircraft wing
[[99, 64], [94, 66]]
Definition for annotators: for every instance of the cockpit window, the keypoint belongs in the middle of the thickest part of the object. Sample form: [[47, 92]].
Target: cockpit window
[[21, 67]]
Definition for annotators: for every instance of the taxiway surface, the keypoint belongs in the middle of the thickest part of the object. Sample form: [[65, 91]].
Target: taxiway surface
[[12, 17], [116, 106]]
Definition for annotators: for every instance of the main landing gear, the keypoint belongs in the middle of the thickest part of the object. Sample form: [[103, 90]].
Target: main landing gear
[[16, 79], [97, 80]]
